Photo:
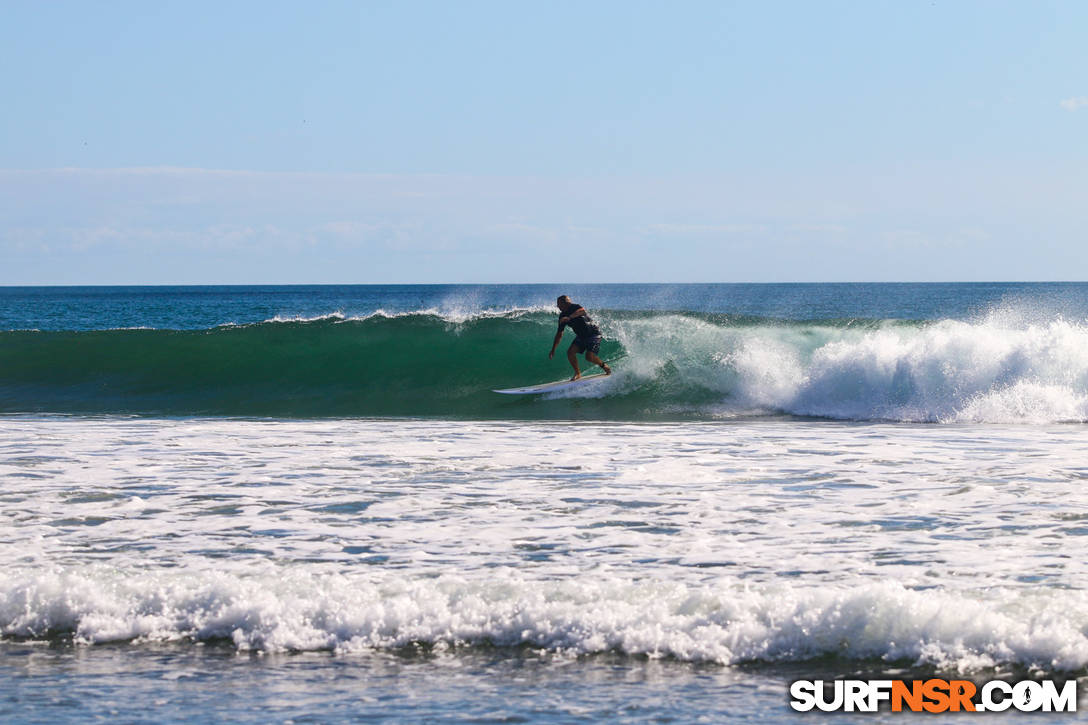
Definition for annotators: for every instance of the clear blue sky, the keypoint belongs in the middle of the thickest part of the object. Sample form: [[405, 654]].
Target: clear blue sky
[[173, 142]]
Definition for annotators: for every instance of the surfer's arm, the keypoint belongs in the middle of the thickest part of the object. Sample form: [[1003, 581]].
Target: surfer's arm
[[555, 342]]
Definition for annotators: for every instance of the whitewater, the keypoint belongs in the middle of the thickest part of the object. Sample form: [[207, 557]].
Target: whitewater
[[305, 503]]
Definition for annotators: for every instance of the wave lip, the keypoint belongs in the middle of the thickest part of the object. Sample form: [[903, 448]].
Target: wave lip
[[452, 315], [338, 315], [727, 624]]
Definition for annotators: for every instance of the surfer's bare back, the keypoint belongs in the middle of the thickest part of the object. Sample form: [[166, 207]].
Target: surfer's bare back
[[587, 335]]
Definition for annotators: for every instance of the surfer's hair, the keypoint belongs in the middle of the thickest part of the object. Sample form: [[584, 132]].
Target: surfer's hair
[[563, 298]]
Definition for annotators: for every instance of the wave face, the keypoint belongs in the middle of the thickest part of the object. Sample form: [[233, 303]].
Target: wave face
[[669, 365]]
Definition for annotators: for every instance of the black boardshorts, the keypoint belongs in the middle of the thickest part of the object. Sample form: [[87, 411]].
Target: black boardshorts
[[589, 344]]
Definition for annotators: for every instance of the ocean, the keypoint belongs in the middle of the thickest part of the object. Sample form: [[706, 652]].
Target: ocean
[[305, 504]]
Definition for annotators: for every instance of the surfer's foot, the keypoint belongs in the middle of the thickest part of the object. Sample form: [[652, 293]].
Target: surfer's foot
[[607, 370], [576, 376]]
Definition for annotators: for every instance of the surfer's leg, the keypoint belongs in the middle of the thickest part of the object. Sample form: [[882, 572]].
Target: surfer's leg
[[592, 349], [572, 357], [592, 357]]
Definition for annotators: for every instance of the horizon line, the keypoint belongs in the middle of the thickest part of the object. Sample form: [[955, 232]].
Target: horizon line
[[522, 284]]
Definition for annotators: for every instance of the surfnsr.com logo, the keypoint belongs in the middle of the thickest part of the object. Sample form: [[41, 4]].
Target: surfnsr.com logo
[[933, 695]]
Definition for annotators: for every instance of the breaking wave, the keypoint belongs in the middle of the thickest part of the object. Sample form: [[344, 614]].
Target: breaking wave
[[728, 624], [668, 365]]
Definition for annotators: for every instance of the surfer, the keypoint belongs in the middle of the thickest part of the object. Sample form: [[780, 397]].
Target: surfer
[[587, 335]]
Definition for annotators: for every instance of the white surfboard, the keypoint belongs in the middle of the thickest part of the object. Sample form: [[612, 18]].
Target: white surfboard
[[552, 387]]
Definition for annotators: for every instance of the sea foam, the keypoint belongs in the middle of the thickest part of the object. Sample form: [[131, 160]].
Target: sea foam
[[727, 623]]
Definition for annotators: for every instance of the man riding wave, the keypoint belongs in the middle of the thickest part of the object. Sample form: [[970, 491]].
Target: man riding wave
[[587, 335]]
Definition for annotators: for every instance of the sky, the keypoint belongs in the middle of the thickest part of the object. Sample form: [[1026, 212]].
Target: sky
[[498, 142]]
